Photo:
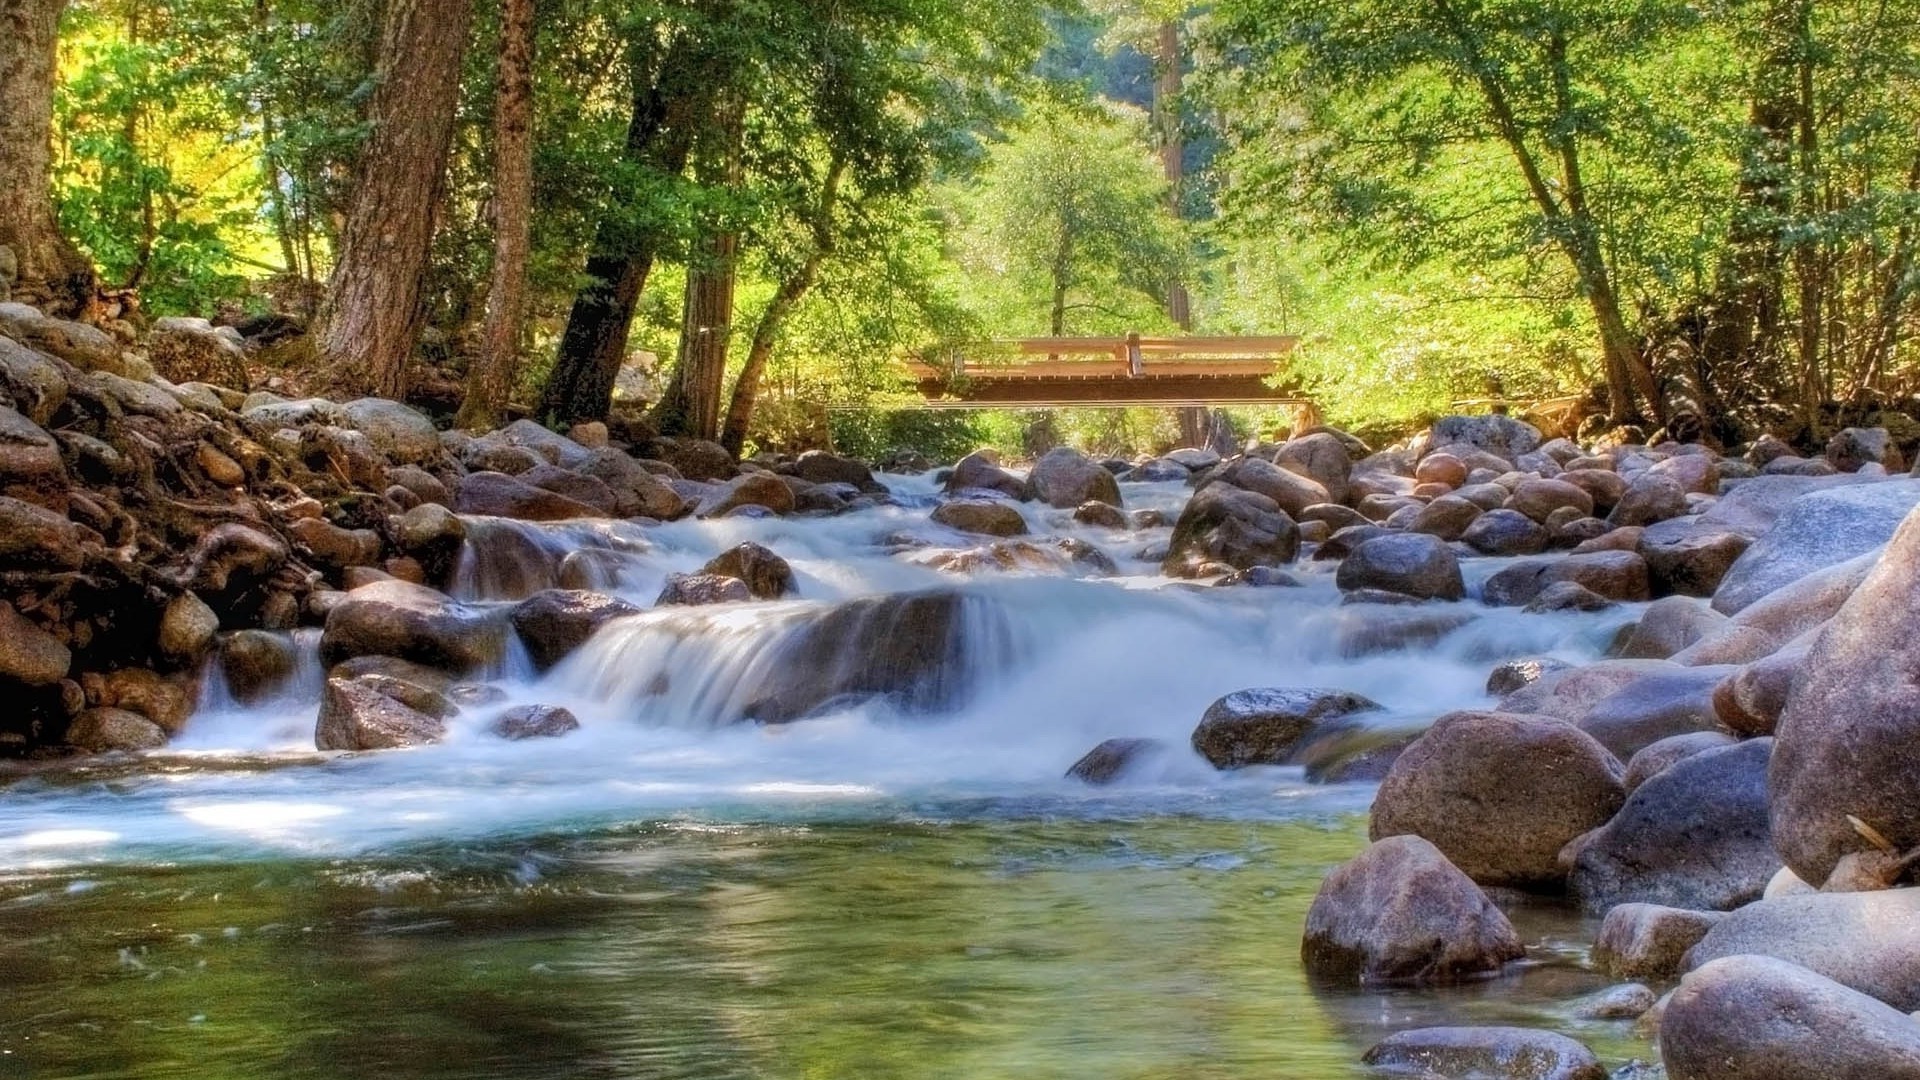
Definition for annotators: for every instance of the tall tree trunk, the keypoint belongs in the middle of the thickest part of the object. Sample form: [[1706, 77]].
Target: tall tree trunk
[[371, 319], [51, 271], [491, 379], [1173, 151], [1810, 261], [691, 403], [746, 389], [668, 100]]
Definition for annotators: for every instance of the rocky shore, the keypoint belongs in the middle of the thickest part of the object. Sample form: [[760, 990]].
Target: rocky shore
[[1731, 795]]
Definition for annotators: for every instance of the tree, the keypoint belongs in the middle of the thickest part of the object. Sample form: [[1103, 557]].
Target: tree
[[51, 271], [370, 323], [691, 403], [495, 370]]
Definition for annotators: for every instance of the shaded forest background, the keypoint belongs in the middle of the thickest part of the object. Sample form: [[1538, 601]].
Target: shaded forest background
[[1620, 211]]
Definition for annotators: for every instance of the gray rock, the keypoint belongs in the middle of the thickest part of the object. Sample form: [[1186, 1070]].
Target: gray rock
[[411, 622], [1400, 912], [1648, 941], [1505, 532], [1270, 725], [554, 622], [1290, 491], [1852, 448], [1656, 757], [1628, 1001], [1670, 625], [1756, 1018], [1615, 575], [1410, 564], [403, 435], [1513, 675], [534, 722], [1689, 561], [1501, 435], [1113, 759], [1673, 701], [1064, 478], [495, 494], [1869, 941], [1484, 1053], [1817, 530], [1232, 527], [1694, 836], [1500, 794]]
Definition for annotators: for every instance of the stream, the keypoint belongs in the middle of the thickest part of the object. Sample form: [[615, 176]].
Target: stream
[[669, 892]]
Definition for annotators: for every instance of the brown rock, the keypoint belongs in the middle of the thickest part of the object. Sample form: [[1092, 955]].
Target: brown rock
[[1400, 912], [104, 729], [767, 575], [1647, 941]]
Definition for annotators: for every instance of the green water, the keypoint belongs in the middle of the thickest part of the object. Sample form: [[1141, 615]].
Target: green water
[[1159, 948]]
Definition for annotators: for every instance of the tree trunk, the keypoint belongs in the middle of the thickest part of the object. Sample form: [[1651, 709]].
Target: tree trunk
[[491, 380], [371, 319], [746, 389], [1173, 151], [51, 271], [667, 103], [691, 403]]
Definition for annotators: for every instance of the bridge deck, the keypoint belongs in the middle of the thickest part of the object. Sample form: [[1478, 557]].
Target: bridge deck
[[1113, 372]]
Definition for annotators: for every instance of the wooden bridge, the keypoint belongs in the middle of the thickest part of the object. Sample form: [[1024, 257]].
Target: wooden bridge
[[1111, 372]]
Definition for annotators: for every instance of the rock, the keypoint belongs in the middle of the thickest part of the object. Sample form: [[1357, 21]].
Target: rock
[[1260, 577], [33, 536], [1869, 941], [1750, 701], [186, 350], [639, 492], [1689, 562], [1064, 478], [1159, 471], [1695, 473], [1505, 532], [1102, 515], [101, 730], [1501, 435], [411, 622], [1267, 726], [187, 628], [1656, 757], [767, 576], [1409, 564], [1670, 625], [499, 495], [1484, 1053], [1757, 1018], [553, 623], [696, 589], [1512, 675], [220, 468], [1400, 912], [28, 654], [1695, 836], [1113, 759], [331, 546], [1357, 753], [356, 714], [1572, 692], [920, 651], [1849, 735], [1320, 457], [821, 467], [1852, 448], [1647, 941], [1649, 499], [697, 459], [581, 488], [1628, 1001], [1817, 530], [35, 383], [85, 347], [432, 534], [977, 471], [591, 434], [1290, 491], [1232, 527], [1604, 486], [1538, 499], [1448, 517], [1442, 468], [748, 489], [1782, 616], [29, 457], [1500, 794], [1616, 575], [1665, 701], [255, 662], [1566, 596], [982, 517], [534, 722]]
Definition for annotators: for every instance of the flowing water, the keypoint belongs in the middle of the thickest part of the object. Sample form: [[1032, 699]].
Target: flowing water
[[670, 892]]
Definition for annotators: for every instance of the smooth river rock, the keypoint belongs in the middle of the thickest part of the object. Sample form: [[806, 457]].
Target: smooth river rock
[[1270, 725], [1492, 1053], [1758, 1018], [1400, 912], [1869, 941], [1817, 530]]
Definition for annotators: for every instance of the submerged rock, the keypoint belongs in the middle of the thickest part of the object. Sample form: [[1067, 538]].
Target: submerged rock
[[1113, 759], [553, 623], [1647, 941], [1400, 912], [1410, 564], [1492, 1053], [1269, 726]]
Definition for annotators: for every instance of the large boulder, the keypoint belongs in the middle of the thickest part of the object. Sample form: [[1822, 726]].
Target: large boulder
[[1494, 1053], [748, 489], [1647, 941], [1819, 529], [1757, 1018], [767, 575], [1849, 736], [411, 622], [1290, 491], [1689, 561], [1223, 525], [1500, 794], [1693, 836], [1616, 575], [1269, 725], [1869, 941], [982, 470], [406, 437], [553, 623], [499, 495], [1320, 457], [1409, 564], [1400, 912], [1664, 702], [378, 712], [1064, 478], [982, 517], [1501, 435], [88, 348]]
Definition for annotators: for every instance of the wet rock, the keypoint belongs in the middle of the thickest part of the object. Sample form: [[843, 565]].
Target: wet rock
[[1269, 725], [1159, 471], [255, 662], [1627, 1001], [187, 628], [1670, 625], [411, 622], [1505, 532], [821, 467], [767, 575], [100, 730], [28, 654], [1667, 701], [1260, 577], [1566, 596], [1102, 515], [534, 722], [1694, 836], [982, 517], [355, 714], [920, 651], [1064, 478], [33, 536], [1647, 941], [1756, 1018], [1233, 527], [1290, 491], [1484, 1053], [746, 490], [1816, 530], [553, 623], [1649, 498], [638, 492], [1689, 562], [1113, 759], [1656, 757], [1513, 675], [1869, 941], [1849, 735], [1615, 575], [1358, 753], [1500, 794], [1501, 435], [1853, 448], [433, 535], [1448, 517], [1409, 564], [1320, 457], [977, 470], [1400, 912], [697, 589]]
